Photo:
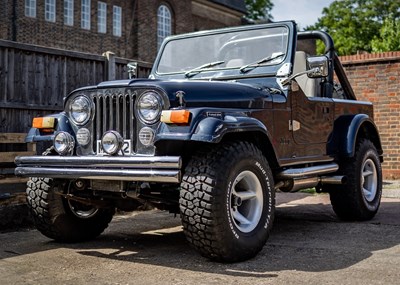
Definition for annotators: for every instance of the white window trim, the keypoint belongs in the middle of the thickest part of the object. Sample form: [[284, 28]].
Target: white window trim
[[85, 14], [117, 21], [50, 10], [164, 24], [30, 8], [69, 12], [102, 17]]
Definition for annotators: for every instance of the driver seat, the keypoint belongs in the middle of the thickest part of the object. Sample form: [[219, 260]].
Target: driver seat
[[310, 86]]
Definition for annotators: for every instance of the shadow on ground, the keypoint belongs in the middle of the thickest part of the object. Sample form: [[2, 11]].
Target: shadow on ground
[[306, 237]]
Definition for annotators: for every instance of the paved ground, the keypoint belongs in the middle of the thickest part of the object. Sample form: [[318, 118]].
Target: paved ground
[[308, 245]]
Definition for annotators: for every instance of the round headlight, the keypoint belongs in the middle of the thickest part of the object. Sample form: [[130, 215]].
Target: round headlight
[[149, 107], [63, 143], [80, 110], [112, 142]]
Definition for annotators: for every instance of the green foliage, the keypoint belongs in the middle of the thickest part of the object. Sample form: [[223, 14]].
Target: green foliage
[[354, 24], [259, 9], [389, 36]]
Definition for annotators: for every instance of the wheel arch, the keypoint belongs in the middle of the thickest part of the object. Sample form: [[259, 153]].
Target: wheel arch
[[347, 132], [214, 131]]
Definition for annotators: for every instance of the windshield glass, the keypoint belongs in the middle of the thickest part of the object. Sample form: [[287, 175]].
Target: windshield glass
[[230, 50]]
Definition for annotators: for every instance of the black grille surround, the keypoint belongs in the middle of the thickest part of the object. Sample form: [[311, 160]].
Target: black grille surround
[[114, 110]]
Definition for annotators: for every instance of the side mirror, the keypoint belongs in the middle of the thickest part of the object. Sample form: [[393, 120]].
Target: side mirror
[[318, 66]]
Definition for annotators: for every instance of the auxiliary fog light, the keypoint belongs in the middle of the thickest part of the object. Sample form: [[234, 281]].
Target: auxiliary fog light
[[64, 143], [112, 142], [83, 136], [146, 136]]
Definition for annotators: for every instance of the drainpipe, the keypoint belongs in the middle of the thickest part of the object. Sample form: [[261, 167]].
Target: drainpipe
[[14, 21]]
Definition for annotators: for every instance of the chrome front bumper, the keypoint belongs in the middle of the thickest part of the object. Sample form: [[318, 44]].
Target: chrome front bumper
[[166, 169]]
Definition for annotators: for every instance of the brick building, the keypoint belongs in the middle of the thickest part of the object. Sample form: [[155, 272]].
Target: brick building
[[131, 29], [375, 78]]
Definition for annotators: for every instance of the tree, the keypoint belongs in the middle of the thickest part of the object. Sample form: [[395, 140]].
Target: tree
[[259, 10], [389, 36], [353, 24]]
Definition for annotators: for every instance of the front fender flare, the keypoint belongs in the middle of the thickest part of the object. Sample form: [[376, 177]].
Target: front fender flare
[[213, 129]]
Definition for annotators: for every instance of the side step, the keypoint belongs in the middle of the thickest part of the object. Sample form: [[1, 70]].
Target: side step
[[292, 180], [308, 171]]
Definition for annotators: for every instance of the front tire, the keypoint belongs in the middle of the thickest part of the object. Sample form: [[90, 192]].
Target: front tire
[[61, 219], [227, 201], [360, 197]]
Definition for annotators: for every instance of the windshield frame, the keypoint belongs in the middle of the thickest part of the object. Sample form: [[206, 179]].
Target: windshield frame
[[231, 72]]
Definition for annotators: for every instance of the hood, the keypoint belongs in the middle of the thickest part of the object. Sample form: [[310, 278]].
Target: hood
[[197, 93]]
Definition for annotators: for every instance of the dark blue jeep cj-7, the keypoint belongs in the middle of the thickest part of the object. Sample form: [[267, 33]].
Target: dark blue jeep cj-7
[[226, 118]]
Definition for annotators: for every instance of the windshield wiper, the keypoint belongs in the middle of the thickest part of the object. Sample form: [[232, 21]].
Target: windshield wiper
[[199, 69], [251, 66]]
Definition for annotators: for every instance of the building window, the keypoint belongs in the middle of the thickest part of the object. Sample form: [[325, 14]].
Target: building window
[[164, 24], [50, 10], [30, 8], [117, 21], [85, 15], [102, 17], [69, 12]]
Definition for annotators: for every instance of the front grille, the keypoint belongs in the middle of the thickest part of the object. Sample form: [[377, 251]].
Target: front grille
[[114, 110]]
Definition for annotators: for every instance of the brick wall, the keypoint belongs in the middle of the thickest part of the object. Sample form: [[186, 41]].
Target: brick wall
[[139, 25], [55, 34], [375, 78], [146, 23]]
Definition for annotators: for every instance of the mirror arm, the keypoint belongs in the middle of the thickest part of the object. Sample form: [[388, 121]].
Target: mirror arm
[[290, 78]]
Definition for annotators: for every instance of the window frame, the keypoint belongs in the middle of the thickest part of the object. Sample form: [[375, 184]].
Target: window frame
[[117, 21], [164, 24], [85, 14], [69, 12], [30, 8], [50, 10], [101, 17]]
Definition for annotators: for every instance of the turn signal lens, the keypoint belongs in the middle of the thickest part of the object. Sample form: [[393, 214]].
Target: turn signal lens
[[43, 123], [175, 116]]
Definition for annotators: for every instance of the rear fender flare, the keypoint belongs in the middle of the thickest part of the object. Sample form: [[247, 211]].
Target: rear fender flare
[[346, 131]]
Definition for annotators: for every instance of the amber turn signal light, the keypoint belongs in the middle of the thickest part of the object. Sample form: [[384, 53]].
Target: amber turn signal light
[[43, 123], [175, 116]]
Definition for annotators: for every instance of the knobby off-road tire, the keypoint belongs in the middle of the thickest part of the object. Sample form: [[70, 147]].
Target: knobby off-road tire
[[59, 219], [360, 197], [227, 201]]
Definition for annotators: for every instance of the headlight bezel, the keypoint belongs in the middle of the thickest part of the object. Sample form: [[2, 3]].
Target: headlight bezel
[[87, 109], [140, 104]]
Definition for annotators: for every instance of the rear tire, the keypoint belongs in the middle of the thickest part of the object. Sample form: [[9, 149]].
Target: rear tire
[[360, 197], [227, 201], [62, 220]]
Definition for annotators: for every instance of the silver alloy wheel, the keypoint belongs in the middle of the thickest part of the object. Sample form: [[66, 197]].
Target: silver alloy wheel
[[369, 180], [80, 210], [246, 201]]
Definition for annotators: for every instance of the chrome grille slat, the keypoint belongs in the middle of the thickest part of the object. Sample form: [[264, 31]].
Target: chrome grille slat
[[124, 115], [104, 112], [132, 116], [98, 116], [118, 113], [111, 112]]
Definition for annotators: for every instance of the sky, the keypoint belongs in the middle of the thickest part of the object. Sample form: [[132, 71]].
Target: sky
[[304, 12]]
